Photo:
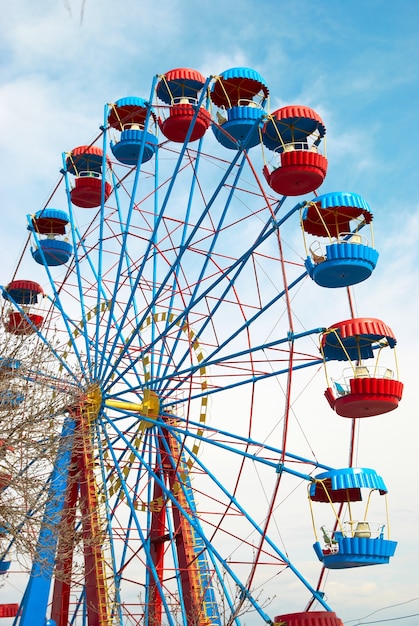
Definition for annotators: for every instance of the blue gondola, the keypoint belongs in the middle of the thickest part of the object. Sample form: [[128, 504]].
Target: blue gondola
[[241, 94], [359, 541], [348, 258], [129, 116], [49, 228]]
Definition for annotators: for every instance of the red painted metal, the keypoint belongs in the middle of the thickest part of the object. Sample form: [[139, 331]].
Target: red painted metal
[[87, 192], [368, 397], [5, 480], [188, 564], [289, 114], [20, 324], [332, 221], [47, 225], [369, 327], [24, 285], [9, 610], [176, 126], [82, 492], [180, 74], [86, 151], [60, 608], [300, 172], [325, 493], [309, 618], [85, 159], [292, 123], [5, 446], [129, 114], [192, 592], [228, 92], [95, 575], [158, 536]]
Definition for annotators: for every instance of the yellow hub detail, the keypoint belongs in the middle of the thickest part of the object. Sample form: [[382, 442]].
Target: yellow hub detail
[[92, 402], [149, 407]]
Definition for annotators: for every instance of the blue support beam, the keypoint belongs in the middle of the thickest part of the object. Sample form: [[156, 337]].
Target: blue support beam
[[35, 600]]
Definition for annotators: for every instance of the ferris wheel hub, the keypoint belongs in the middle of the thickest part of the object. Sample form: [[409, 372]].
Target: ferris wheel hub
[[149, 407]]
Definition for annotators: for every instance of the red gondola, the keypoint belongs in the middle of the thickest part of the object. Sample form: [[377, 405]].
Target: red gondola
[[180, 88], [295, 134], [85, 162], [363, 389], [24, 293]]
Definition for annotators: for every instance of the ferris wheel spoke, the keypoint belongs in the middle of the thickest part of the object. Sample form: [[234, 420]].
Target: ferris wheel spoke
[[95, 315], [131, 500], [207, 255], [178, 270], [261, 529], [180, 432], [248, 380], [80, 253], [180, 319], [177, 261], [125, 224], [101, 252], [190, 428], [211, 358], [182, 492]]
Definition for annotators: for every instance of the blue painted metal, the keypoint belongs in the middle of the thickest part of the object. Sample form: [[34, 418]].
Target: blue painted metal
[[182, 430], [146, 461], [177, 268], [49, 214], [128, 149], [97, 347], [342, 199], [315, 593], [131, 101], [357, 552], [207, 258], [345, 264], [77, 253], [69, 324], [243, 124], [35, 601], [210, 360], [52, 252], [209, 598], [243, 73], [239, 86], [9, 364], [232, 272], [350, 478], [150, 247], [102, 366]]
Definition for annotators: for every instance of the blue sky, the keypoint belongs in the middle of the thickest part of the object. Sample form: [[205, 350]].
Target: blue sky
[[354, 61]]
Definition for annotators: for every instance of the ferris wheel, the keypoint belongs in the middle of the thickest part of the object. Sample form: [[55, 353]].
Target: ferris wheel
[[149, 363]]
